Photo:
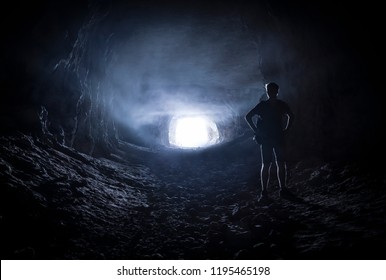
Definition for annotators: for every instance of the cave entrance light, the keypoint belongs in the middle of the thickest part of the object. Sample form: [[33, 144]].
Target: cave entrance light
[[191, 132]]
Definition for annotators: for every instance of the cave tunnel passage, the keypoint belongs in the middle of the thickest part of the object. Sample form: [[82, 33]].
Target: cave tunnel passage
[[125, 72], [192, 67], [128, 72], [95, 164]]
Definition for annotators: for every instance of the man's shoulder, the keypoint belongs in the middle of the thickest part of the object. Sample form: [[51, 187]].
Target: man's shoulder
[[261, 103], [258, 107]]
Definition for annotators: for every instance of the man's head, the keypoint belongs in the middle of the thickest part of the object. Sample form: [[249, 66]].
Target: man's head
[[272, 89]]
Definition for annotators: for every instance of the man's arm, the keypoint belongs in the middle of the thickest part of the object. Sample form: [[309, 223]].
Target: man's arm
[[249, 119], [290, 119]]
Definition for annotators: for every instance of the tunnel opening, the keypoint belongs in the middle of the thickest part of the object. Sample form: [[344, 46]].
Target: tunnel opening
[[191, 132]]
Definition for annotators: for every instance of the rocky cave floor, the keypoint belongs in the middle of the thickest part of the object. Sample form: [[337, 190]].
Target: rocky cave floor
[[57, 203]]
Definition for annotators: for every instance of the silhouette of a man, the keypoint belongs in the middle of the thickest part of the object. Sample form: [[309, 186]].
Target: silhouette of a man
[[274, 119]]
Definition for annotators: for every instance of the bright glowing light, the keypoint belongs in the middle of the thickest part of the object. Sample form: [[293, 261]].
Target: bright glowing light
[[193, 132]]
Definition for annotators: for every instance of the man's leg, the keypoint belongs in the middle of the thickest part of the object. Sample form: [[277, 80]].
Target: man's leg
[[282, 177], [266, 159], [279, 152], [264, 177], [281, 174]]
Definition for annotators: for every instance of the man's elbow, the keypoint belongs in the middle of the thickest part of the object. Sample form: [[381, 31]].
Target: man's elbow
[[248, 117], [290, 117], [290, 122]]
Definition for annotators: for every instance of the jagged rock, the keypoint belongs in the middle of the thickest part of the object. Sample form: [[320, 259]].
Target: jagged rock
[[65, 204]]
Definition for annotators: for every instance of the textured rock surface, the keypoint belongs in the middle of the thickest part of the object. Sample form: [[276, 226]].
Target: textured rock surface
[[57, 203]]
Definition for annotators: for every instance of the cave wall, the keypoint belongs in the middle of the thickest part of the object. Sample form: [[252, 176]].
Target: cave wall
[[52, 76]]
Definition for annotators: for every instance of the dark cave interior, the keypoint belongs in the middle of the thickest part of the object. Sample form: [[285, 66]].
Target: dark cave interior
[[90, 90]]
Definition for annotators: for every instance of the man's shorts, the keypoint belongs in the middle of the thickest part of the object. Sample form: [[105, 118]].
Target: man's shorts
[[273, 148]]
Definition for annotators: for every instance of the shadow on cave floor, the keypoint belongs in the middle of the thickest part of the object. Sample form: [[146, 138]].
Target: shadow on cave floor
[[57, 203]]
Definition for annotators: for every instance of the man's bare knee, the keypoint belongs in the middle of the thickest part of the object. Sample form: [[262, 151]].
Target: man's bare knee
[[266, 165]]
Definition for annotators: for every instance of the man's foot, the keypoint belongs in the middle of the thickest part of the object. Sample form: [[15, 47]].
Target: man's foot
[[263, 196]]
